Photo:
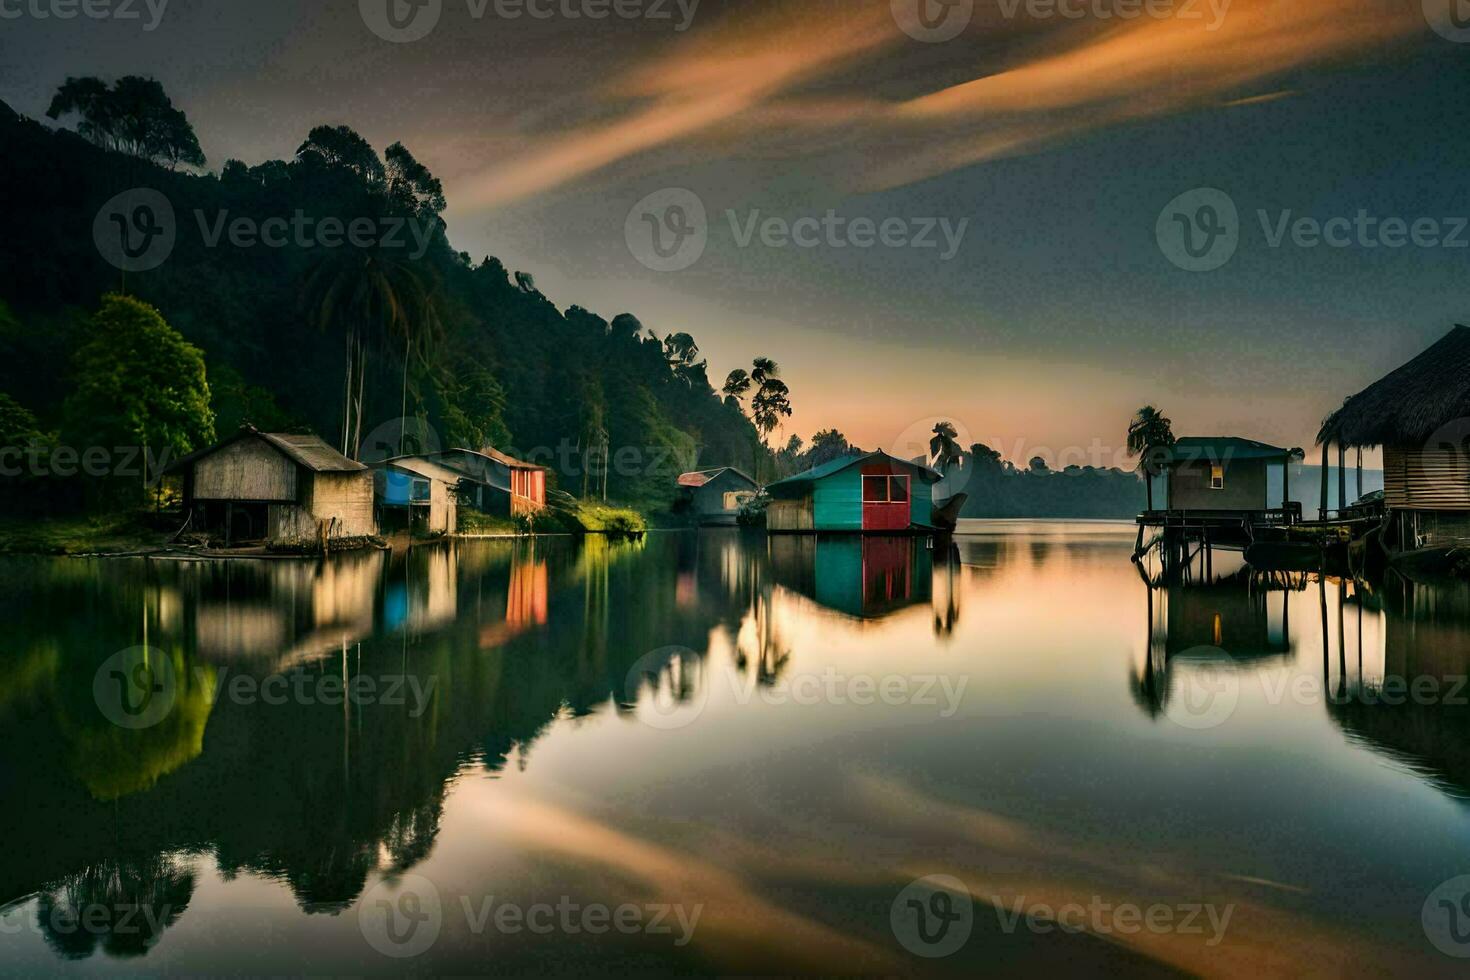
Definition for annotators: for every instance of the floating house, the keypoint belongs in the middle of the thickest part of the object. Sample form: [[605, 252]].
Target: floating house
[[862, 493], [714, 497], [1420, 415], [417, 494], [495, 483], [278, 489], [1230, 477]]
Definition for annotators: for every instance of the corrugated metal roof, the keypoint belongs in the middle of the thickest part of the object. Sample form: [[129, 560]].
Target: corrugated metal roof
[[305, 450], [1222, 448], [425, 468], [843, 462], [698, 478], [310, 451]]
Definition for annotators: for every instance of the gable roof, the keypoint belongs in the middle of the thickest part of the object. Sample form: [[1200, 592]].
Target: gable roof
[[1190, 448], [698, 478], [1406, 407], [507, 460], [427, 468], [306, 450], [843, 462]]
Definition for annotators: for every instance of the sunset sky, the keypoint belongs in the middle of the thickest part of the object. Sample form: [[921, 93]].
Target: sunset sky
[[1056, 140]]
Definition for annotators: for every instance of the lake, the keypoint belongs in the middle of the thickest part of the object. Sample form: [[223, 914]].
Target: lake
[[721, 752]]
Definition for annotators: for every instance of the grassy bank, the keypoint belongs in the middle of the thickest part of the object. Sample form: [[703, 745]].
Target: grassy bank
[[81, 535]]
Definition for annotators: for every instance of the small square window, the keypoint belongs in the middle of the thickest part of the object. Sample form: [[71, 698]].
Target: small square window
[[898, 489], [875, 489], [1217, 477]]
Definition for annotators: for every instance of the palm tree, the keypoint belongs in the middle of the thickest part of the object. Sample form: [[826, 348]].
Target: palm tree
[[944, 447], [373, 298], [1149, 434]]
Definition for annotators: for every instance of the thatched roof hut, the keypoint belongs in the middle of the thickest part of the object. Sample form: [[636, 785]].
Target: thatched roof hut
[[1420, 415], [1410, 405]]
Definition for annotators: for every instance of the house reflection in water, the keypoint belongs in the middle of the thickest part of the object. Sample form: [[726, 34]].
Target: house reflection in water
[[286, 610], [1408, 700], [866, 577], [527, 602], [1238, 621]]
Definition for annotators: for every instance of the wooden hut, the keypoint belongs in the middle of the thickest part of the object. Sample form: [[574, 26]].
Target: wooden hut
[[496, 483], [714, 497], [863, 493], [1420, 415], [417, 494], [278, 489], [1229, 477]]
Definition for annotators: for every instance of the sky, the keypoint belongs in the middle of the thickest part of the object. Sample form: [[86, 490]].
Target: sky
[[1029, 217]]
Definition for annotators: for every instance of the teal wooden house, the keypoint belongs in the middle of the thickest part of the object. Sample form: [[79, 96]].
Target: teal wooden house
[[866, 493]]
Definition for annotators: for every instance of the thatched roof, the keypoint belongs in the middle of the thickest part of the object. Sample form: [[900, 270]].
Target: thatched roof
[[1412, 403]]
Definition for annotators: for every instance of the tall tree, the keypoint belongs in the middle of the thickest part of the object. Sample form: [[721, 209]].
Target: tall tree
[[132, 116], [341, 146], [138, 383], [373, 299], [1150, 435]]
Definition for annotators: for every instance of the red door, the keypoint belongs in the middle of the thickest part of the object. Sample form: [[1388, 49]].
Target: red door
[[886, 499]]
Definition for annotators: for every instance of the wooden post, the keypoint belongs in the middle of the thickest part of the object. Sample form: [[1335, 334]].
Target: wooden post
[[1324, 480], [1360, 471], [1286, 490], [1341, 478]]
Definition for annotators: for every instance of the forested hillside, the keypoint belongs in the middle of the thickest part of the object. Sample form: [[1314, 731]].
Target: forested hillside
[[341, 340]]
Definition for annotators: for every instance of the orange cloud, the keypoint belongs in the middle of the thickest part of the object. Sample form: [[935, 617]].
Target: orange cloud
[[1090, 73]]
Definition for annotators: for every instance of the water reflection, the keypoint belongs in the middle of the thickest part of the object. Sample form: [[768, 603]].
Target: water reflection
[[319, 797], [531, 771]]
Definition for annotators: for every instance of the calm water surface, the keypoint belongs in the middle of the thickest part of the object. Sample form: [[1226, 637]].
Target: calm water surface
[[744, 747]]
